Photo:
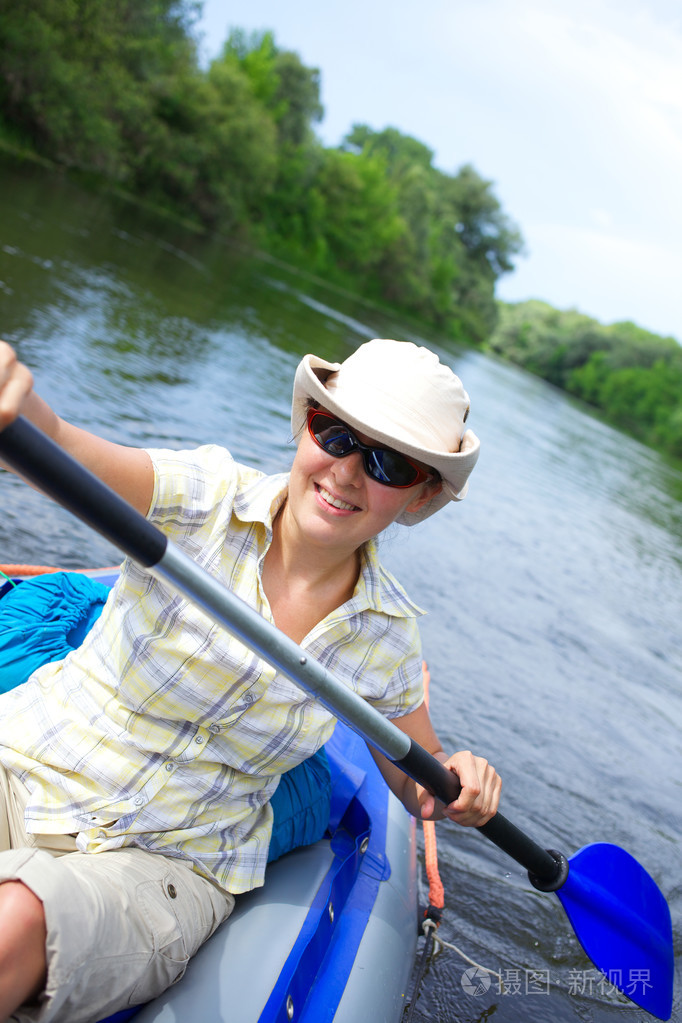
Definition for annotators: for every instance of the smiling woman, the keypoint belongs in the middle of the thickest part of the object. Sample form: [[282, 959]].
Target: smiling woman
[[343, 492], [178, 737]]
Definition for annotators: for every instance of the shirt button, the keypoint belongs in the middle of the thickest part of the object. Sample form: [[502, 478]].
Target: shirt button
[[169, 767], [199, 739], [139, 800], [214, 728], [248, 698]]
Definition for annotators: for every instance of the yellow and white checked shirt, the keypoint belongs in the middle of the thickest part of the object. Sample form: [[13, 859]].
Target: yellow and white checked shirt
[[165, 732]]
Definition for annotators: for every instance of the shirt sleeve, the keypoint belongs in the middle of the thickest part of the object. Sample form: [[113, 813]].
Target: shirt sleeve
[[398, 686], [377, 655], [190, 487]]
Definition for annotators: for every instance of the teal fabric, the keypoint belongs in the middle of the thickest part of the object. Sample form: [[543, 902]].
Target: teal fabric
[[300, 805], [44, 618]]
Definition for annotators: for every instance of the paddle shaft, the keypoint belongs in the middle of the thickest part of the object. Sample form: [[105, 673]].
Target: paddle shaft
[[43, 463]]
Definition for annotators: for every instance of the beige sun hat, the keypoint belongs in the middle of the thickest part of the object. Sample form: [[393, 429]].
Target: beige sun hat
[[403, 397]]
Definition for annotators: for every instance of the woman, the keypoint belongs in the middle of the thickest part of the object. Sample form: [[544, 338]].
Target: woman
[[137, 773]]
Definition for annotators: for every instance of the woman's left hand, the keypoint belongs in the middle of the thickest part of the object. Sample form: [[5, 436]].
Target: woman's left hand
[[480, 795]]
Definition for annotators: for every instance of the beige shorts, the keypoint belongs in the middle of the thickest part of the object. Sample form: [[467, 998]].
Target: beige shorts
[[121, 926]]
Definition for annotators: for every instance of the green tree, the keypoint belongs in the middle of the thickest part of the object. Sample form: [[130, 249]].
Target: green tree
[[289, 96], [73, 73], [280, 81], [457, 240], [356, 214]]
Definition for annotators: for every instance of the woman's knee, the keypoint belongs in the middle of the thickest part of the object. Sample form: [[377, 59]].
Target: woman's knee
[[21, 910], [23, 933]]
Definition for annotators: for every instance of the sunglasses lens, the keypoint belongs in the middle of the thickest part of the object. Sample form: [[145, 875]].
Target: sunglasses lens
[[331, 435], [390, 467]]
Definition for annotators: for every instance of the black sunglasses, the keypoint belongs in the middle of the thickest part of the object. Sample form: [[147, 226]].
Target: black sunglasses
[[381, 464]]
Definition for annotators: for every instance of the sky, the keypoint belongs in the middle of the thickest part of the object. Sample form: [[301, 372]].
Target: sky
[[571, 108]]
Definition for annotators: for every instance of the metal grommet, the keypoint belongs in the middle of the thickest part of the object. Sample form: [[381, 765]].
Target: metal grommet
[[290, 1007], [364, 845], [172, 891], [331, 911]]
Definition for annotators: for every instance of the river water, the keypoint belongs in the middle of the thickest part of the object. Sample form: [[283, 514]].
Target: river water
[[554, 589]]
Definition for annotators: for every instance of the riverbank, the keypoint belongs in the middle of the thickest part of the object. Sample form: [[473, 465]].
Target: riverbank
[[14, 156], [631, 377]]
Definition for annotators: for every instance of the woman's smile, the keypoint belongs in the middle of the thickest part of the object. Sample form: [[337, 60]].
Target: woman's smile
[[336, 502]]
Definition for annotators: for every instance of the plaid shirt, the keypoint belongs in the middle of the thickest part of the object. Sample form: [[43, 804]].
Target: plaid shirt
[[165, 732]]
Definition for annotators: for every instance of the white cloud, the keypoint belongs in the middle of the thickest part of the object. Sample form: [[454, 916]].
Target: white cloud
[[621, 278]]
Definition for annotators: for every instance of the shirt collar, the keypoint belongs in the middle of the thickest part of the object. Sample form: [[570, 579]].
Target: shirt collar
[[260, 498]]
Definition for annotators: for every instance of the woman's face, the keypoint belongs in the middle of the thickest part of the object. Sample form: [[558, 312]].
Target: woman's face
[[335, 503]]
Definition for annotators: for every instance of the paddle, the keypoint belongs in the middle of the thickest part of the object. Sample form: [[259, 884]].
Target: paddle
[[617, 911]]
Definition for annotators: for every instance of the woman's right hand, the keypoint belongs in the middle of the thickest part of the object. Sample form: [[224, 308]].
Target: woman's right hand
[[16, 383]]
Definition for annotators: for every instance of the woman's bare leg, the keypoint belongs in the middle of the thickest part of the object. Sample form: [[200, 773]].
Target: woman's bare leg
[[23, 964]]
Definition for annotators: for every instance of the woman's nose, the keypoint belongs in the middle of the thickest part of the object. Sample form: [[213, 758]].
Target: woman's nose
[[350, 469]]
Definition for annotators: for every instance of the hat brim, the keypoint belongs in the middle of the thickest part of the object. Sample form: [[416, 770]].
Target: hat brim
[[453, 467]]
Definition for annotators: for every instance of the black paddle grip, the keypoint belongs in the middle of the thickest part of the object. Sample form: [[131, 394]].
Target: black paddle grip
[[31, 454], [547, 869], [429, 772]]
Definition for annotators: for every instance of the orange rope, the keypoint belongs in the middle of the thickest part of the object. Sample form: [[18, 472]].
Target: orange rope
[[27, 569], [436, 890]]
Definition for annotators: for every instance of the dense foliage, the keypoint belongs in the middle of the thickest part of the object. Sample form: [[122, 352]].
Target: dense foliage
[[634, 377], [115, 87]]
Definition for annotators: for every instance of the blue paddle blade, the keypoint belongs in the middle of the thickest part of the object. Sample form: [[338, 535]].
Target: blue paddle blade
[[623, 923]]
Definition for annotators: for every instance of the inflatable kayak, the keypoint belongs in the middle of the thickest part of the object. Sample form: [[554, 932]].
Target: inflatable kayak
[[331, 935]]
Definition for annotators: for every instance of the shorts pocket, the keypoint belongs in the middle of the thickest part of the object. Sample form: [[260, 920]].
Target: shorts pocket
[[168, 955]]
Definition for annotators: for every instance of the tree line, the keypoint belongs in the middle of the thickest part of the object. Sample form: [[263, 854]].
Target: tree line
[[115, 88], [634, 377]]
